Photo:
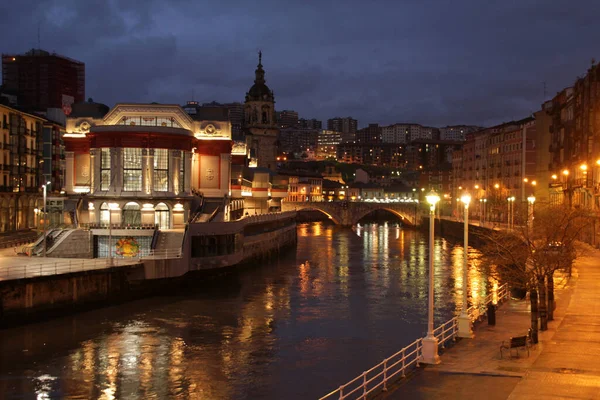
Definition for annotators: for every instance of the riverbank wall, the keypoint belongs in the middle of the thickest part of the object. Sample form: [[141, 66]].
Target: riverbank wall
[[37, 298], [456, 230], [23, 300]]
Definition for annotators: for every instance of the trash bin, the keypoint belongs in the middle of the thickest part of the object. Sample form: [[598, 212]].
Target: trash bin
[[491, 314]]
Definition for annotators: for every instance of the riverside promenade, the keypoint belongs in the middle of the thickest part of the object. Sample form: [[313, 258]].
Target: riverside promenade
[[564, 364]]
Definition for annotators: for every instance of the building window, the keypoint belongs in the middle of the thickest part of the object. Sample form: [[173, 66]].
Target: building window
[[132, 170], [161, 170], [104, 169], [181, 172]]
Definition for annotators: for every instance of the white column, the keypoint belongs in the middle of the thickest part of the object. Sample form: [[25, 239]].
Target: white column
[[93, 171], [174, 165], [69, 171], [187, 171]]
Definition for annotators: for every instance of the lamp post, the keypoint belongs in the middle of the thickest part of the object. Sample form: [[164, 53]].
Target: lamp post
[[464, 322], [44, 186], [484, 211], [530, 200], [429, 351], [511, 211]]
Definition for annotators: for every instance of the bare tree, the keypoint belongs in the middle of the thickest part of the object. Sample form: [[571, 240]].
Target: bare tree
[[529, 256]]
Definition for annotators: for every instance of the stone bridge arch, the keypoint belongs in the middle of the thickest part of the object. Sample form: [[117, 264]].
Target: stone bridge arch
[[348, 213], [403, 215]]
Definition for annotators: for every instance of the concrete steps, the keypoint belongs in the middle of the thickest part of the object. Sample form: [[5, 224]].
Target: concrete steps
[[169, 240]]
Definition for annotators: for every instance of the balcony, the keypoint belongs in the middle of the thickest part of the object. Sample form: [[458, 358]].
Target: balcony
[[6, 188]]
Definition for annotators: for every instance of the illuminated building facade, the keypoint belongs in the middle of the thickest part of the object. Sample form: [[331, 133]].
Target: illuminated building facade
[[20, 174], [144, 164]]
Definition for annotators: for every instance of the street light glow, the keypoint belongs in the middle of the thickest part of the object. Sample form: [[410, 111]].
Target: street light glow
[[583, 167], [554, 176], [497, 186], [566, 172], [466, 199], [531, 199], [432, 198]]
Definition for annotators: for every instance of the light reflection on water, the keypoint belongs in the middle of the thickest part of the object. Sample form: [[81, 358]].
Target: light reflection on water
[[295, 328]]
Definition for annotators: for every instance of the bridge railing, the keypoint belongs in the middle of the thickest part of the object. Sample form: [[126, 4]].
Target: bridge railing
[[397, 365]]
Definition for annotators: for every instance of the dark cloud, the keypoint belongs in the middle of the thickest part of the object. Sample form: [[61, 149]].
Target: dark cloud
[[432, 61]]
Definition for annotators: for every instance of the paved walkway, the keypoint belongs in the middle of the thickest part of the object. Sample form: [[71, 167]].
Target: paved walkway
[[564, 364]]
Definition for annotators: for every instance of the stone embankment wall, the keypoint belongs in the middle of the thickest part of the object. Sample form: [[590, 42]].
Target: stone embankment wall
[[456, 230], [34, 298]]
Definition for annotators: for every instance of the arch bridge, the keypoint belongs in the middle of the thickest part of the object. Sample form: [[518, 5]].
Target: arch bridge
[[348, 213]]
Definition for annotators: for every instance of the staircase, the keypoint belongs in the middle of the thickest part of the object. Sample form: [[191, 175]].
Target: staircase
[[169, 241]]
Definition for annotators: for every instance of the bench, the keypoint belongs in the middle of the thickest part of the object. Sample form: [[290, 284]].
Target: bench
[[515, 343]]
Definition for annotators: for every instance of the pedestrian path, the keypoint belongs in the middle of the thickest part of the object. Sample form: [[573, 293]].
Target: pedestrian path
[[564, 364]]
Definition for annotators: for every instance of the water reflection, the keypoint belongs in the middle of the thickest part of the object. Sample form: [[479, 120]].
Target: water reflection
[[295, 328]]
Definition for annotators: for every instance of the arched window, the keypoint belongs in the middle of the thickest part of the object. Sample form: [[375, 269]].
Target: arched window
[[162, 216], [104, 214], [132, 215]]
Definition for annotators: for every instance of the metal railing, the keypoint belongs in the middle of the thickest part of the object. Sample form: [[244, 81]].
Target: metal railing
[[161, 254], [61, 267], [396, 366]]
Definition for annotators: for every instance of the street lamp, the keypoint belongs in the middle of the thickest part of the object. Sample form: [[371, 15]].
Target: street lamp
[[44, 186], [531, 200], [511, 201], [429, 350], [464, 322]]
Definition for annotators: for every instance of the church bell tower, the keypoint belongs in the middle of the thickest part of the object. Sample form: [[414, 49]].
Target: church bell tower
[[261, 127]]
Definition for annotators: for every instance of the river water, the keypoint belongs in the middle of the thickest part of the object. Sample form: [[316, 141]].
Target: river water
[[295, 328]]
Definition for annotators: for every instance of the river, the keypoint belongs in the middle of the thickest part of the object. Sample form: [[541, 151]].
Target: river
[[294, 328]]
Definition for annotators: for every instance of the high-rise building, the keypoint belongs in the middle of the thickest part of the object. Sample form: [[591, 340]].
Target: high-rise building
[[327, 142], [310, 124], [344, 125], [43, 80], [457, 132], [287, 118], [370, 134]]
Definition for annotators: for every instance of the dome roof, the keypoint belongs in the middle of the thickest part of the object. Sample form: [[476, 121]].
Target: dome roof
[[260, 91]]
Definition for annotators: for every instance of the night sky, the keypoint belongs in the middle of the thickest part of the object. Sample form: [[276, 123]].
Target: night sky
[[425, 61]]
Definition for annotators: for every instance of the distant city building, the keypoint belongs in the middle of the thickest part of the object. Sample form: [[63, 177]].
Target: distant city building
[[297, 141], [287, 119], [429, 154], [327, 142], [43, 80], [394, 133], [457, 132], [346, 125], [309, 124], [381, 154], [404, 133], [370, 134]]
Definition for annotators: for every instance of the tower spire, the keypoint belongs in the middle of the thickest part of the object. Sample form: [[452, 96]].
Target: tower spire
[[259, 73]]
